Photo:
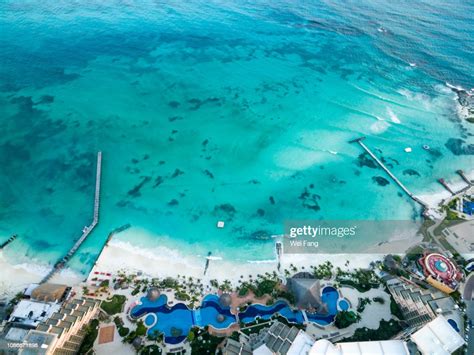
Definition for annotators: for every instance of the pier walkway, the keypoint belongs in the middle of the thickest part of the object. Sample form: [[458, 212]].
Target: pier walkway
[[87, 230], [394, 178], [464, 177]]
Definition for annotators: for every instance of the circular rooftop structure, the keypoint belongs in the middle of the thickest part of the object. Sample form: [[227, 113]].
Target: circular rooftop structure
[[440, 267]]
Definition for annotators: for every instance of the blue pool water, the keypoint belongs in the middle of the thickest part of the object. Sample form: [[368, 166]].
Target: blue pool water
[[175, 322], [343, 305], [453, 324], [150, 320]]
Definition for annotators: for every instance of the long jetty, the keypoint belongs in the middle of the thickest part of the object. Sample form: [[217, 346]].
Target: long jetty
[[87, 230], [446, 186], [464, 177], [389, 173]]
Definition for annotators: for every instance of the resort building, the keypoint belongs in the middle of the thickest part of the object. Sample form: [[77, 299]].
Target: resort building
[[440, 272], [419, 306], [280, 339], [283, 340], [233, 347], [28, 313], [386, 347], [63, 332], [437, 337], [277, 339], [50, 292], [47, 292], [307, 291]]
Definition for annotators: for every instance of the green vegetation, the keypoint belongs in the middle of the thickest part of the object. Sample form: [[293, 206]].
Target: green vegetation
[[155, 335], [265, 287], [362, 303], [451, 215], [395, 309], [378, 300], [141, 329], [415, 253], [169, 283], [453, 203], [362, 280], [182, 296], [285, 321], [92, 330], [386, 330], [323, 271], [114, 305], [254, 327], [345, 319], [244, 289], [456, 296], [123, 331], [288, 296], [104, 283], [204, 343]]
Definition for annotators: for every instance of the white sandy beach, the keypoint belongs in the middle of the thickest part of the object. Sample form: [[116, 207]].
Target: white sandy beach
[[15, 278], [163, 262], [434, 199]]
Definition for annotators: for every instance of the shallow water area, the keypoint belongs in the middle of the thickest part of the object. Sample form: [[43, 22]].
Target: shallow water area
[[210, 111]]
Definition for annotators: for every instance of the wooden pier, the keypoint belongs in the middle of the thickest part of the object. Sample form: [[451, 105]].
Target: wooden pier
[[87, 230], [464, 177], [394, 178], [446, 186], [8, 241]]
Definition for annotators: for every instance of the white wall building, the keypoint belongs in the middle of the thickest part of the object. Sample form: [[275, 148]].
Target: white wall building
[[437, 337], [386, 347]]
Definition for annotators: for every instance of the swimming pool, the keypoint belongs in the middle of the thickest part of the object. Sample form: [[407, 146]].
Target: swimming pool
[[175, 322], [343, 305], [453, 324]]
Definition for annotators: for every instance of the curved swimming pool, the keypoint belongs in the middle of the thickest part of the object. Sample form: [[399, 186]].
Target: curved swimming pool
[[175, 322]]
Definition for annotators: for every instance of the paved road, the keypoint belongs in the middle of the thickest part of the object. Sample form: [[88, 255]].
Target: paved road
[[468, 293], [468, 296]]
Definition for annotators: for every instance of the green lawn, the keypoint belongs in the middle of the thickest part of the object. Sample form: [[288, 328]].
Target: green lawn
[[114, 305]]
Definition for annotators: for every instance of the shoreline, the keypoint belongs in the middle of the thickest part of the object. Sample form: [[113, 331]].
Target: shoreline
[[162, 262], [16, 277], [122, 256], [167, 262]]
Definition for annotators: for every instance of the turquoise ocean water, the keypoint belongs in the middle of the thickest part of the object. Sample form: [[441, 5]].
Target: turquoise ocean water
[[220, 110]]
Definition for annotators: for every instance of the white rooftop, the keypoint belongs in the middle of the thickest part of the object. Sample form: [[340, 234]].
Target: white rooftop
[[386, 347], [16, 334], [262, 350], [301, 345], [32, 312], [30, 289], [437, 337]]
